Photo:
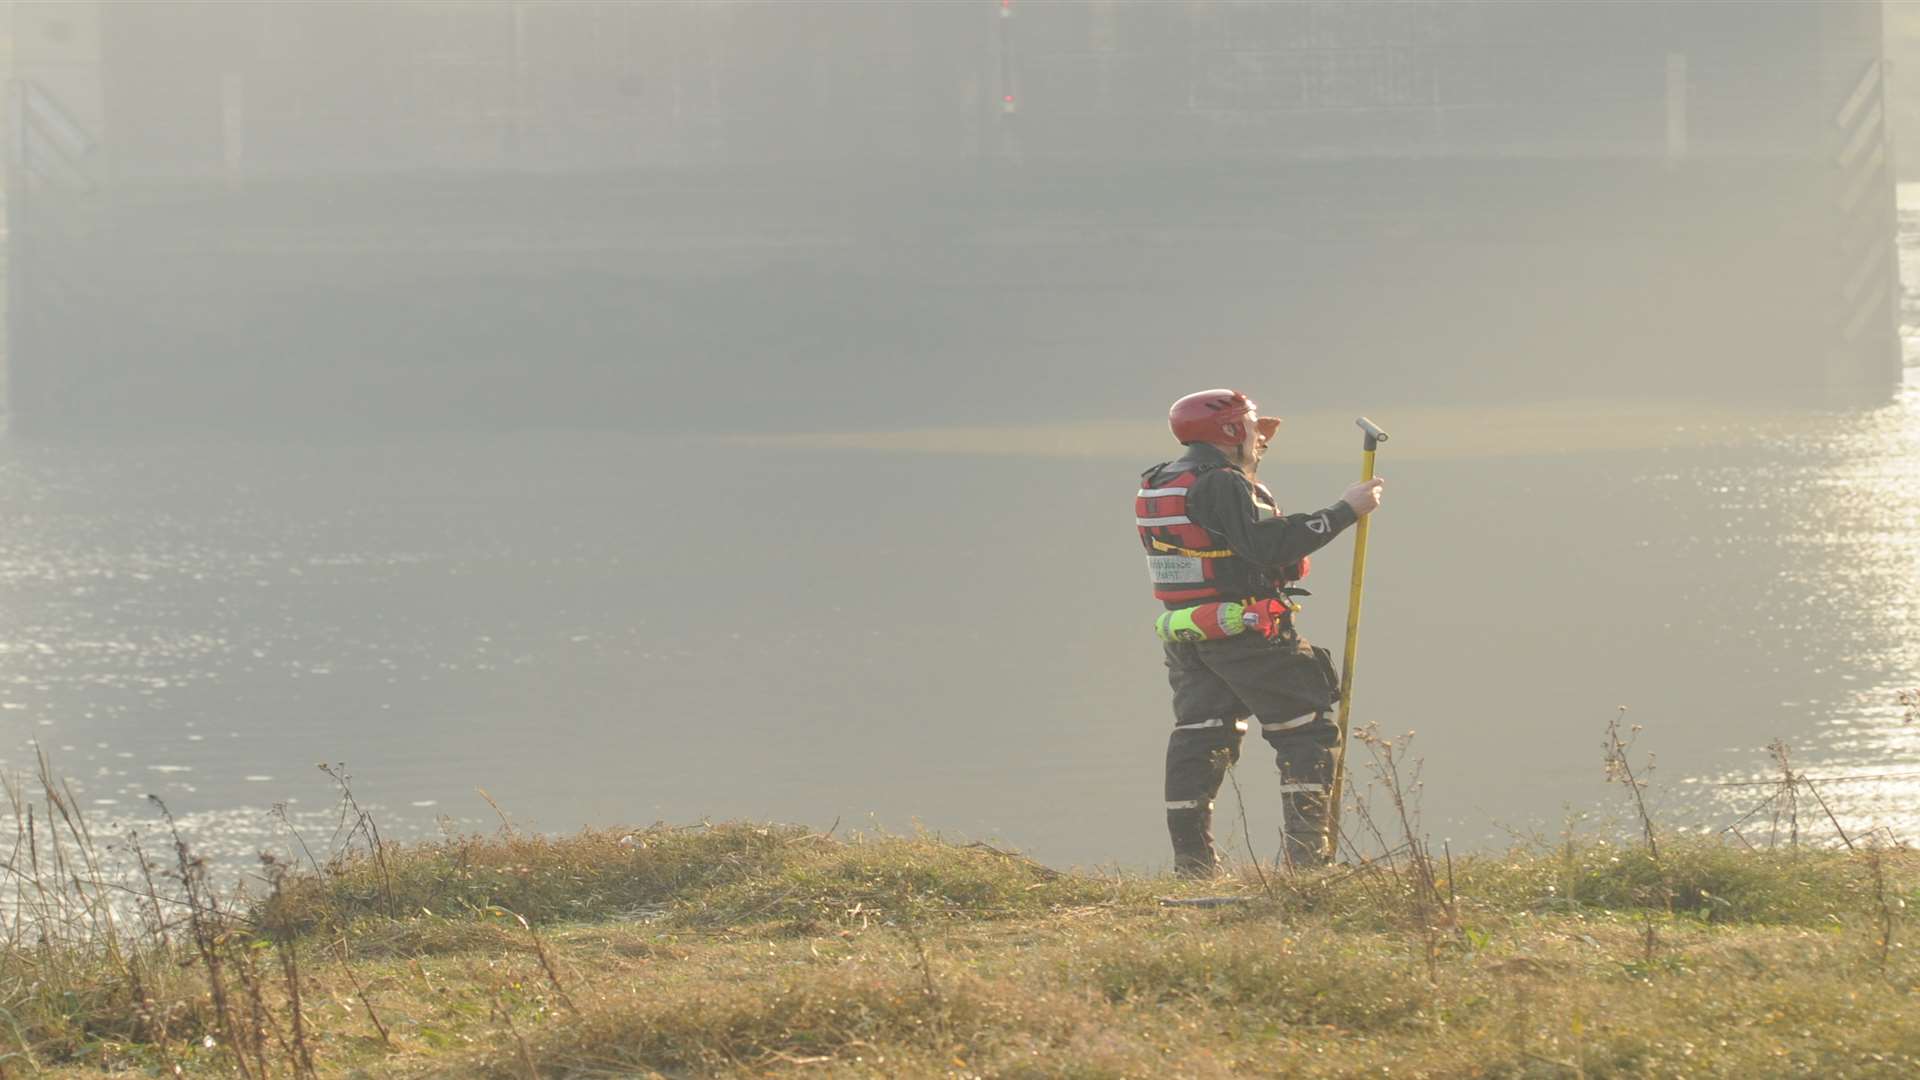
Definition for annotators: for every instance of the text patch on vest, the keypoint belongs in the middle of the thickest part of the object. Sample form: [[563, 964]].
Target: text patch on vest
[[1175, 570]]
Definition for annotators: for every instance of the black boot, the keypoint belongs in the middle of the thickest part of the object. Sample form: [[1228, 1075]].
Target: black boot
[[1191, 831], [1304, 812], [1303, 754]]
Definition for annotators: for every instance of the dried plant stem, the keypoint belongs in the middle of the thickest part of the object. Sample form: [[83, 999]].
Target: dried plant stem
[[1620, 768], [290, 971], [360, 991], [505, 1012], [546, 961], [1814, 789], [200, 915], [506, 826], [1787, 793], [1246, 832], [1883, 907]]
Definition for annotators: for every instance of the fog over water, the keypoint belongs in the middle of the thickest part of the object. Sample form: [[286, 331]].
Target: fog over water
[[662, 412], [566, 622]]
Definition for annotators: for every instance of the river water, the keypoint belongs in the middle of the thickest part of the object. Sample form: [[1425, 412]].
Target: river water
[[945, 629]]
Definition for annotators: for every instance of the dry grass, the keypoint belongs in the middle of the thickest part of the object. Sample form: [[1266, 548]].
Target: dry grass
[[745, 950], [753, 950]]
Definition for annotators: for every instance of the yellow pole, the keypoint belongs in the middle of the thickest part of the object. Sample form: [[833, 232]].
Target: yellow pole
[[1331, 843]]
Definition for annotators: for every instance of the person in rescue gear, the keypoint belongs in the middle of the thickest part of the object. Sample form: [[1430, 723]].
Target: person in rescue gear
[[1212, 532]]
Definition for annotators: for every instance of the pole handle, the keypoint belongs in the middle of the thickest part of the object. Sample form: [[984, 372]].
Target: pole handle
[[1375, 436]]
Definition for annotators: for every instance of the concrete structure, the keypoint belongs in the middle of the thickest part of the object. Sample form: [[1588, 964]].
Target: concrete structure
[[429, 211]]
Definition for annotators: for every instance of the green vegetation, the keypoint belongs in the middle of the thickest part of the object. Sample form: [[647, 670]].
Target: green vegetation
[[745, 950]]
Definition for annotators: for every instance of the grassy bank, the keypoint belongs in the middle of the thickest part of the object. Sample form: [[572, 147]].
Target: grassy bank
[[743, 950]]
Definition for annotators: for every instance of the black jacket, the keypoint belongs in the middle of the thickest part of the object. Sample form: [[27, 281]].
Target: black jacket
[[1222, 502]]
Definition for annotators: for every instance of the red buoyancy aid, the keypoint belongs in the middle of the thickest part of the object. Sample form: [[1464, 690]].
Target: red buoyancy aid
[[1186, 563]]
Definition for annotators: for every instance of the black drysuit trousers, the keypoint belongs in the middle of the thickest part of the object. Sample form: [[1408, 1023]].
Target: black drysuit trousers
[[1220, 688]]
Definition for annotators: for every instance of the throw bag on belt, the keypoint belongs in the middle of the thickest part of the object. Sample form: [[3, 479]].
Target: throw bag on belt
[[1208, 622], [1225, 619]]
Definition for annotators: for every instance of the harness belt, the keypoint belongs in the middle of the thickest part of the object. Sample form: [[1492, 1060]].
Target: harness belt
[[1176, 549]]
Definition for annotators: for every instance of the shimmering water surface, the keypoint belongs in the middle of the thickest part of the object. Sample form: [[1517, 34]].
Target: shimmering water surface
[[928, 628]]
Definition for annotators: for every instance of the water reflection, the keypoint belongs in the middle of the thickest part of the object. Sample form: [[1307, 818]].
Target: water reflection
[[1839, 512], [968, 647], [945, 627]]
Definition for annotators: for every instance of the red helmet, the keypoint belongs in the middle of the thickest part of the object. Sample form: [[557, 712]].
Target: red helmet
[[1211, 416]]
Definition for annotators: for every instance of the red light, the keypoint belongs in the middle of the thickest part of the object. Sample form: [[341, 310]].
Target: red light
[[1008, 99]]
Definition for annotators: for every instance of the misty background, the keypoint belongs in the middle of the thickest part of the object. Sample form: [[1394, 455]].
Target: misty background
[[682, 410]]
